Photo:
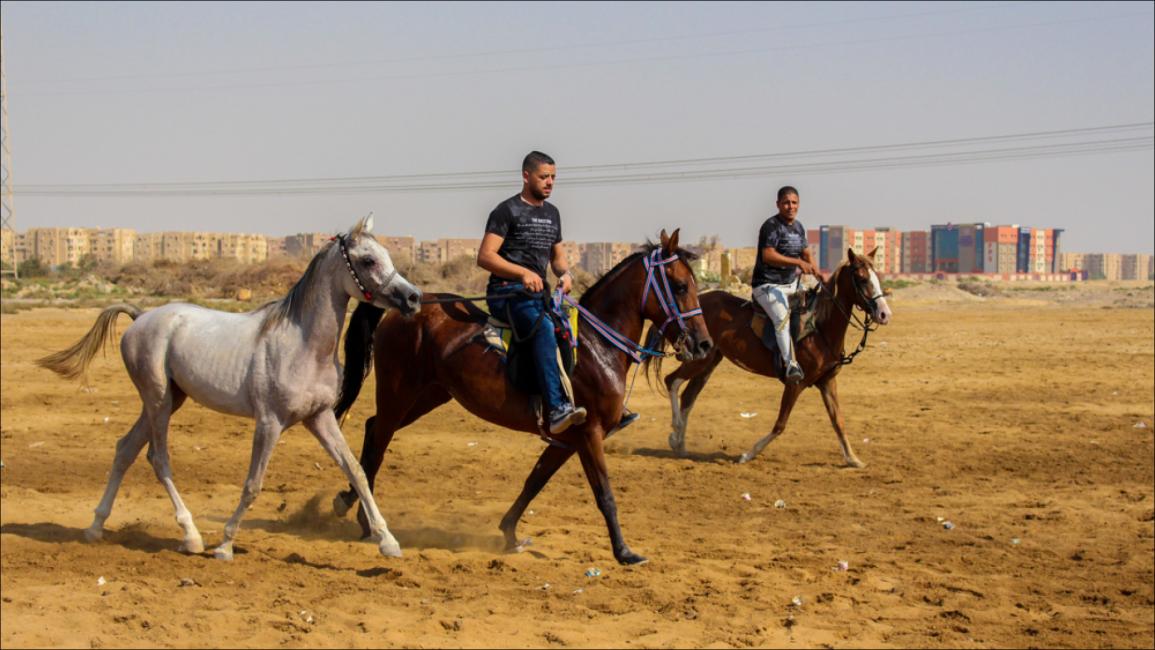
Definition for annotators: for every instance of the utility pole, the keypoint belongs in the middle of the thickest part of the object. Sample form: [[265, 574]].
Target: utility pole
[[6, 171]]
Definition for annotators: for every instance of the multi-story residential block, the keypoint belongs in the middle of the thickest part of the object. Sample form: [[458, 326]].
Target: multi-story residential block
[[915, 252], [1134, 267], [887, 243], [1103, 266], [1071, 262], [600, 257], [455, 248], [833, 242], [306, 244], [1000, 249], [402, 250], [430, 252], [276, 247]]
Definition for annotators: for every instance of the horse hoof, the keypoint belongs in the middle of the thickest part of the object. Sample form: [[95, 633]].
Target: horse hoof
[[630, 558], [855, 463], [744, 458], [93, 535], [340, 508], [389, 548], [223, 553], [192, 546]]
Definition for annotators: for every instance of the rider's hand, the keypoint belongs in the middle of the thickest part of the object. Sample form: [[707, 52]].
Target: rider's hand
[[807, 268], [532, 281], [565, 282]]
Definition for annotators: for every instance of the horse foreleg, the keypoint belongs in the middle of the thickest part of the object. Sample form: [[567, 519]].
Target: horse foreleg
[[328, 433], [347, 499], [593, 459], [829, 390], [690, 396], [547, 465], [264, 441], [789, 397]]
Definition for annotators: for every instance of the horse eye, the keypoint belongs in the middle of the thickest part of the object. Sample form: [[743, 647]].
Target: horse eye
[[680, 288], [368, 262]]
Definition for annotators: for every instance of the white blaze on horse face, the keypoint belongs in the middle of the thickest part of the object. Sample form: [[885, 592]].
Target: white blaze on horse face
[[883, 309]]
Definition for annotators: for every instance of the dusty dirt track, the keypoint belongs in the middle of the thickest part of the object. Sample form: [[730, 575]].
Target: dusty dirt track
[[1012, 418]]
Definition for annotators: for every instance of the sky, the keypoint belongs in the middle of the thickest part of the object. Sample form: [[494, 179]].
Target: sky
[[279, 118]]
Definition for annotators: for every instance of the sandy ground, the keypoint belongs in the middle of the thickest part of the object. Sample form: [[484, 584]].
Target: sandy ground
[[1015, 418]]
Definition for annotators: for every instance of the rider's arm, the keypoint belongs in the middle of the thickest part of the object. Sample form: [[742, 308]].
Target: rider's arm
[[488, 259], [774, 258], [560, 267]]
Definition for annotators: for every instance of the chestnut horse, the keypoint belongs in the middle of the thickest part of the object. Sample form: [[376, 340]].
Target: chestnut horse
[[423, 362], [853, 284]]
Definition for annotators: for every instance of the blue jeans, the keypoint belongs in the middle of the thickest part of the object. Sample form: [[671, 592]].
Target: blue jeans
[[527, 314]]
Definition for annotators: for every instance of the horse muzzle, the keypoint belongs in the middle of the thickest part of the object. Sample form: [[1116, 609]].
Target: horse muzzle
[[407, 300]]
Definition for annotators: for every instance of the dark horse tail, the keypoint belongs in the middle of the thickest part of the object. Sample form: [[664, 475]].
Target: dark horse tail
[[358, 355]]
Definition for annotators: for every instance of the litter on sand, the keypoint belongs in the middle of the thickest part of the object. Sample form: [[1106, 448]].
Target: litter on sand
[[780, 504], [796, 601], [748, 414], [100, 582], [1016, 541], [843, 565], [1140, 425], [746, 496], [947, 525], [593, 572]]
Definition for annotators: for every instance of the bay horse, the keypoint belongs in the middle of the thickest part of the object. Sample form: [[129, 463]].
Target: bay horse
[[277, 365], [821, 355], [423, 362]]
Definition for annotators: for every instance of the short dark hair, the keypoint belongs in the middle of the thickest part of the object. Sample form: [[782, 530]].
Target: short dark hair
[[535, 159], [787, 189]]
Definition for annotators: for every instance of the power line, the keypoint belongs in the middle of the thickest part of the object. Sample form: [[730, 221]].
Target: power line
[[554, 66], [1023, 146], [532, 50]]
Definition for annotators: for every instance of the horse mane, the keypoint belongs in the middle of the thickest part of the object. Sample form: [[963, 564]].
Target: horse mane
[[646, 249], [291, 305]]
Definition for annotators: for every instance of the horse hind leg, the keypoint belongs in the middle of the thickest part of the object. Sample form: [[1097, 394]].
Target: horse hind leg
[[159, 457], [547, 465], [127, 450], [701, 375], [789, 397]]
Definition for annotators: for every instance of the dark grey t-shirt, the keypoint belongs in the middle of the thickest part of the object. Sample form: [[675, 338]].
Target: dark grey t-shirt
[[529, 233], [789, 240]]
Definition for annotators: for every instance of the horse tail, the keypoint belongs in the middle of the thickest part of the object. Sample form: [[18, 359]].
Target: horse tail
[[72, 363], [358, 355]]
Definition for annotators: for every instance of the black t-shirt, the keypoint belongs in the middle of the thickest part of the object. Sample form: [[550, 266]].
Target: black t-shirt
[[529, 233], [789, 240]]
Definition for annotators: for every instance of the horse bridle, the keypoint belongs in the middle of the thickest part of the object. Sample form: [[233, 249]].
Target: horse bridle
[[864, 324], [368, 295], [665, 295]]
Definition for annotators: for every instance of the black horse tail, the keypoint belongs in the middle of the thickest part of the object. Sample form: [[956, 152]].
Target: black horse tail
[[358, 355]]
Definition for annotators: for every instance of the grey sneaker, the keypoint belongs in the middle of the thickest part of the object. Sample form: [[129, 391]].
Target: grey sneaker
[[794, 373], [565, 417]]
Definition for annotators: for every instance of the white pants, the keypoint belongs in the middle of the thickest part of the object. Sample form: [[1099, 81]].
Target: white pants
[[775, 301]]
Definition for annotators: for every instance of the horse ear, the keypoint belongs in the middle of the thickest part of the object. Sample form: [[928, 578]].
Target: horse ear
[[673, 245], [369, 223], [850, 256], [870, 255], [664, 238]]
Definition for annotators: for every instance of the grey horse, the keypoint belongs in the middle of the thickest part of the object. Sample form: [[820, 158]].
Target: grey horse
[[277, 365]]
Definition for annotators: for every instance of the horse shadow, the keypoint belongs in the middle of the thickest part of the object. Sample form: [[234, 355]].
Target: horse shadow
[[698, 457], [132, 536]]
